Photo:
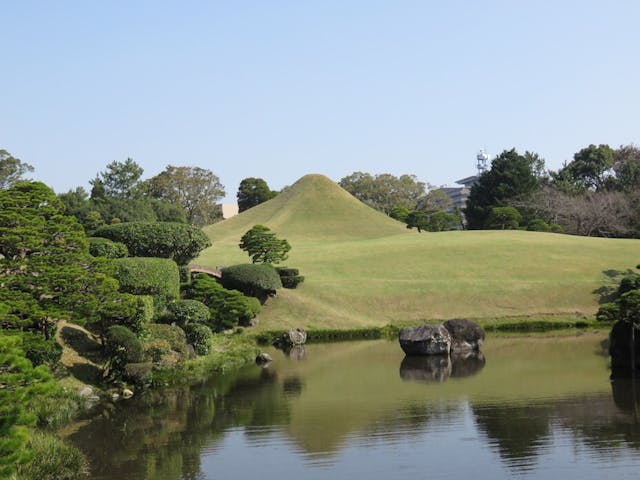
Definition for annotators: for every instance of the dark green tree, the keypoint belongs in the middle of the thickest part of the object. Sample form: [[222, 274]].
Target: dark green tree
[[12, 170], [44, 253], [590, 169], [196, 190], [263, 246], [119, 180], [253, 191], [400, 213], [20, 384], [503, 218], [512, 177], [627, 168]]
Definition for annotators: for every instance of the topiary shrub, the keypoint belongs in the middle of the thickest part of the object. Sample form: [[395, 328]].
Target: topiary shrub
[[172, 334], [228, 308], [503, 218], [260, 281], [555, 228], [177, 241], [189, 311], [122, 347], [103, 247], [538, 225], [199, 336], [290, 277], [157, 277]]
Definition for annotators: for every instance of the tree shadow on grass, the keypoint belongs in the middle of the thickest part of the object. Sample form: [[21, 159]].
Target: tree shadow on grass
[[86, 373], [607, 292], [83, 343]]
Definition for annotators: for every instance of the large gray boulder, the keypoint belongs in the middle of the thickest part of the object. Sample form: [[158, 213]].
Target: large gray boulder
[[425, 340], [466, 336], [623, 360], [291, 338]]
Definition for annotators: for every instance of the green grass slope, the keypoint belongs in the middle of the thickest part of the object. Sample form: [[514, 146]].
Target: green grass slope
[[364, 269]]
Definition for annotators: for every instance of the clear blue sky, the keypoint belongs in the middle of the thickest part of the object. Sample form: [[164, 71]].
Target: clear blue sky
[[278, 89]]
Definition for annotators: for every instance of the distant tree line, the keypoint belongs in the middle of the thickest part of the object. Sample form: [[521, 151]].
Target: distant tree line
[[595, 194]]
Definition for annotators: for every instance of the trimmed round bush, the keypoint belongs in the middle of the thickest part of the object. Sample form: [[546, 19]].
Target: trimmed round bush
[[172, 334], [260, 281], [199, 336], [189, 311], [228, 308], [122, 347], [103, 247], [178, 241], [538, 225], [158, 277]]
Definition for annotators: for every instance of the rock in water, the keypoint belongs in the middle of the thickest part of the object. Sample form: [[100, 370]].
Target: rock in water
[[620, 350], [425, 340], [434, 368], [466, 336], [263, 359], [291, 338]]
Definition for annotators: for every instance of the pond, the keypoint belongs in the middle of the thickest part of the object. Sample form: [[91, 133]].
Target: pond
[[534, 407]]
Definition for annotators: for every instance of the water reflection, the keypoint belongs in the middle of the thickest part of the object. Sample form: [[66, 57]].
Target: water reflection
[[345, 410], [439, 368]]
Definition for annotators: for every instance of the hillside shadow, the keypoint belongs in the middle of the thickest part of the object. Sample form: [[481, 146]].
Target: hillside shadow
[[607, 292], [86, 373], [83, 343]]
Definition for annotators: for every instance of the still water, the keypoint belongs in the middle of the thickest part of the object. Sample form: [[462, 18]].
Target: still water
[[534, 407]]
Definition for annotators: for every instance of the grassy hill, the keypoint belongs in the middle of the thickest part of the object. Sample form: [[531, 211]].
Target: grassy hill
[[365, 269]]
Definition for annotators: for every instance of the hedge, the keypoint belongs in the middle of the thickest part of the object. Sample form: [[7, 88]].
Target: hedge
[[122, 347], [260, 281], [189, 311], [199, 336], [103, 247], [290, 277], [157, 277], [177, 241], [172, 334], [228, 307]]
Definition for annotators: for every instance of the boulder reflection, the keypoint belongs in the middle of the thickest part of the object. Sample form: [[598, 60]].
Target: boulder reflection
[[439, 368]]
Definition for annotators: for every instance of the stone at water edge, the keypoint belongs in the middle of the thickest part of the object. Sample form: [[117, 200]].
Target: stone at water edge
[[263, 359], [425, 340], [126, 393], [293, 337], [466, 336]]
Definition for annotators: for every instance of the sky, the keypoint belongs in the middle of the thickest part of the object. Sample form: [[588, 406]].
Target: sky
[[278, 89]]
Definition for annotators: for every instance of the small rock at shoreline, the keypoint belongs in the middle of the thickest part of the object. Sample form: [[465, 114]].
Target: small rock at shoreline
[[263, 359]]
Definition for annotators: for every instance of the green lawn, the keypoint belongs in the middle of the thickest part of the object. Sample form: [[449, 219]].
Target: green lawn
[[364, 269]]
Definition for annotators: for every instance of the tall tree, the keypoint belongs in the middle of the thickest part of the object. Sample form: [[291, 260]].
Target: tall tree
[[512, 176], [384, 191], [194, 189], [253, 191], [119, 180], [12, 169], [46, 271], [590, 169], [627, 168]]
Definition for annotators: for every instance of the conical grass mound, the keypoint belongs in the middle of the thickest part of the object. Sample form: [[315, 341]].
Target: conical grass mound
[[314, 208]]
